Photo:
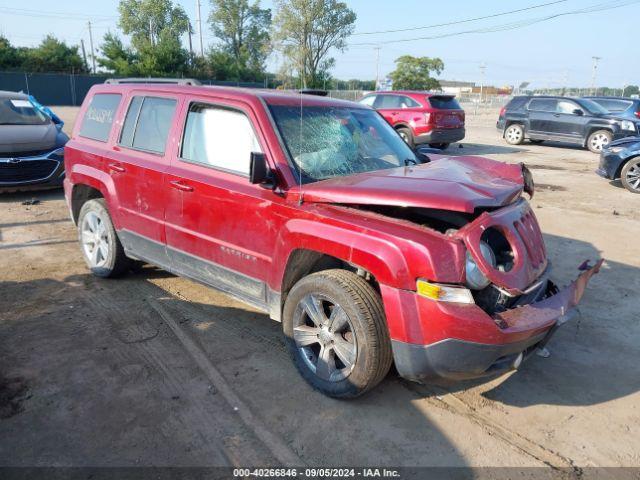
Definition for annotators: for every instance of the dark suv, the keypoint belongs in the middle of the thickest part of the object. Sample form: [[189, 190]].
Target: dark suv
[[562, 119]]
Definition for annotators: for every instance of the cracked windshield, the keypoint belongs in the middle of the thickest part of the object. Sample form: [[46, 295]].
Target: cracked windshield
[[327, 142]]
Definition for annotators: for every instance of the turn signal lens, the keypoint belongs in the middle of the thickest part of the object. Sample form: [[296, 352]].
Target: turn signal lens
[[443, 293]]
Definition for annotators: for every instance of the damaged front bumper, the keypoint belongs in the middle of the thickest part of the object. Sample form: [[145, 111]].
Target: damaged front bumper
[[514, 334]]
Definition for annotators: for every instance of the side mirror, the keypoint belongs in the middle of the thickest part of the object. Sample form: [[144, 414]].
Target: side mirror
[[578, 111], [259, 171]]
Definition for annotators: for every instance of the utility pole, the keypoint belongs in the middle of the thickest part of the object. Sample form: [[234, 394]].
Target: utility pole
[[93, 57], [482, 69], [377, 49], [593, 76], [199, 22], [190, 45], [84, 54]]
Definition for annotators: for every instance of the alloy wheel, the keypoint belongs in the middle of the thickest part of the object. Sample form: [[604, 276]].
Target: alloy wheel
[[514, 134], [633, 177], [95, 240], [598, 141], [325, 337]]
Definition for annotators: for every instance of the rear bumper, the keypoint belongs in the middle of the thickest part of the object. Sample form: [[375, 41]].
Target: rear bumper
[[440, 135], [509, 337]]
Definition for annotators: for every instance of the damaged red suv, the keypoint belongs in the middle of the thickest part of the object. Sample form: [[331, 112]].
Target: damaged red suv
[[316, 211]]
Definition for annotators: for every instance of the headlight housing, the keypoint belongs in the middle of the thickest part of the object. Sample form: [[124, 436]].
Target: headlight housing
[[615, 149], [627, 125], [476, 280], [443, 293]]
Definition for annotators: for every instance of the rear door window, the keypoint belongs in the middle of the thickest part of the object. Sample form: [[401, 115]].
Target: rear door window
[[444, 103], [384, 102], [147, 124], [516, 103], [543, 105], [219, 137], [99, 116]]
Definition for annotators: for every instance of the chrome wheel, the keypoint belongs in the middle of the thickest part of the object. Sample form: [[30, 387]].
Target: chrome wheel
[[633, 177], [95, 240], [514, 134], [404, 136], [598, 141], [324, 337]]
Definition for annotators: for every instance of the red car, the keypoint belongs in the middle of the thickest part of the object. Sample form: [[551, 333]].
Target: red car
[[420, 117], [315, 211]]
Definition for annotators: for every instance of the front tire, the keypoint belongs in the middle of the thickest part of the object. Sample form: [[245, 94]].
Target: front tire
[[407, 136], [598, 139], [336, 334], [514, 134], [101, 248], [630, 175]]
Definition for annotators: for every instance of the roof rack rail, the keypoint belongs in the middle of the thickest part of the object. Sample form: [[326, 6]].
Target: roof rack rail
[[176, 81], [314, 91]]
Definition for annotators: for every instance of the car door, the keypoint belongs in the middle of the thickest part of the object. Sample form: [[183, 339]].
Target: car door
[[137, 167], [389, 107], [568, 123], [541, 116], [217, 222]]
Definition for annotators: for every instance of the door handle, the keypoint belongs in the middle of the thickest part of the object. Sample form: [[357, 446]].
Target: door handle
[[556, 115], [179, 185], [116, 167]]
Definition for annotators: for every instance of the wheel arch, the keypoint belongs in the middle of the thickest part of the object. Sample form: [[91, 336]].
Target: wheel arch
[[594, 128]]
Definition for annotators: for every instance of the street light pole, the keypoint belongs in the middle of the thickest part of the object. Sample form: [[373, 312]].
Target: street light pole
[[594, 91]]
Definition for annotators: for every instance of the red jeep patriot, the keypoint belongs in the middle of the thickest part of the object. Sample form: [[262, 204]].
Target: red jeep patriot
[[315, 211]]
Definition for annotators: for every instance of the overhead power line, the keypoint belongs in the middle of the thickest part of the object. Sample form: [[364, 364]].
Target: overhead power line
[[447, 24], [512, 25], [49, 14]]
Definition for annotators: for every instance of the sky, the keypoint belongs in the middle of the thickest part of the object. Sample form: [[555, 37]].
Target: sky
[[552, 53]]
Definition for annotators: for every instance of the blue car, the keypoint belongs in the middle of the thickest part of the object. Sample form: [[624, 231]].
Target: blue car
[[622, 107], [621, 159]]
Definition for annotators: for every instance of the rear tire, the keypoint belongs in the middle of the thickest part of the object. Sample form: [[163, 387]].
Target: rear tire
[[514, 134], [336, 333], [100, 245], [406, 135], [439, 146], [598, 139], [630, 175]]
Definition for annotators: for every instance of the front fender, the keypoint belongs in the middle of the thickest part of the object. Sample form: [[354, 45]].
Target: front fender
[[382, 258]]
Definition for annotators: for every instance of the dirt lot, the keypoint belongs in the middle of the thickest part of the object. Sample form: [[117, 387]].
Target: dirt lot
[[156, 370]]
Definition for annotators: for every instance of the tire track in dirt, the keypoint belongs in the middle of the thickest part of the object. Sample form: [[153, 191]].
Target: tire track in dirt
[[441, 398]]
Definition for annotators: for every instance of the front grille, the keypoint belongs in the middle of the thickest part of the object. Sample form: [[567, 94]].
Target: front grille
[[26, 171], [531, 236], [29, 153]]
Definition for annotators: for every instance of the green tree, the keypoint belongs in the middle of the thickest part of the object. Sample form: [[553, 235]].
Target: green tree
[[414, 73], [117, 58], [149, 20], [10, 56], [631, 90], [307, 30], [243, 30], [52, 55]]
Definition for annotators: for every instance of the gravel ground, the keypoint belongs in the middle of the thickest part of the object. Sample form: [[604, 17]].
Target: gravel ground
[[156, 370]]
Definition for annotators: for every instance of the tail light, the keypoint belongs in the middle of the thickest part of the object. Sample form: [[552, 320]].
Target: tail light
[[428, 118], [504, 109], [638, 114]]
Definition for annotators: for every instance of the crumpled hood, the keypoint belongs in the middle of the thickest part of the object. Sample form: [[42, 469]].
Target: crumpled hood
[[25, 138], [449, 183], [623, 141]]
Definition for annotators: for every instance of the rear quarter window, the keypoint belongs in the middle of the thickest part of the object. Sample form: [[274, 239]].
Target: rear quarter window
[[99, 116], [516, 103], [147, 124], [444, 103]]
